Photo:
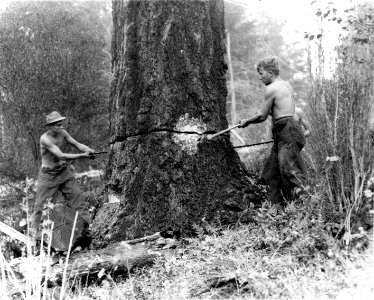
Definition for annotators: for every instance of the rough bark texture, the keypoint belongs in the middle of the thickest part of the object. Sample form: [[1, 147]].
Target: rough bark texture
[[169, 89]]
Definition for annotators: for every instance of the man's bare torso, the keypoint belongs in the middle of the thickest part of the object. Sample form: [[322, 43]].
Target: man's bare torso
[[283, 104], [48, 159]]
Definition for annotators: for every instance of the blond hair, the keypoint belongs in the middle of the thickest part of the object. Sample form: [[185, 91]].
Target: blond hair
[[269, 64]]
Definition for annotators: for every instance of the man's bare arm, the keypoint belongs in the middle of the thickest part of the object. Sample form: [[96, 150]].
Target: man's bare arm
[[263, 114], [79, 146], [52, 148]]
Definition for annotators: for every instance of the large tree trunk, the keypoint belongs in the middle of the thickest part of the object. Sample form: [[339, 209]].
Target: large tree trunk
[[169, 88]]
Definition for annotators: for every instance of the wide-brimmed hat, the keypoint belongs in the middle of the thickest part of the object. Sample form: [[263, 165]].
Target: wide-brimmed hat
[[53, 117]]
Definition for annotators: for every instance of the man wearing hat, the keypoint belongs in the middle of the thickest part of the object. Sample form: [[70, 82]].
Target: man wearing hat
[[55, 174]]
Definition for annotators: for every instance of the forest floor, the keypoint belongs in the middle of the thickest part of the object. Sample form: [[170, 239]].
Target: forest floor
[[244, 263], [286, 254], [221, 267]]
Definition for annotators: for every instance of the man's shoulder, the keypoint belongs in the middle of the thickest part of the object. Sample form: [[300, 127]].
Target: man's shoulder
[[278, 84], [272, 87], [283, 87], [47, 136]]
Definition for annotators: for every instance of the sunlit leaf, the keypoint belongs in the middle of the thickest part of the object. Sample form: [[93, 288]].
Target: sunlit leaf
[[23, 222], [368, 193], [101, 273], [332, 158]]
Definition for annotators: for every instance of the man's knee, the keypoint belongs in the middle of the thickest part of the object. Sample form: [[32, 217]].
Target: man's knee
[[78, 204]]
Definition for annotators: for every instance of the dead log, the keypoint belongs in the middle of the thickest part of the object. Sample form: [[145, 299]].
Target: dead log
[[116, 259], [62, 217]]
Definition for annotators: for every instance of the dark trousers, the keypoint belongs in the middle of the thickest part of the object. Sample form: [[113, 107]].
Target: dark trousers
[[284, 170], [52, 180]]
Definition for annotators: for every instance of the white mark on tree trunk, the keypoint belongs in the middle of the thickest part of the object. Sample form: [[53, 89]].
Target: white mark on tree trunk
[[193, 128], [113, 199]]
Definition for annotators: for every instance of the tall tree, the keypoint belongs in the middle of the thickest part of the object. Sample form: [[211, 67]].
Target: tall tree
[[169, 88]]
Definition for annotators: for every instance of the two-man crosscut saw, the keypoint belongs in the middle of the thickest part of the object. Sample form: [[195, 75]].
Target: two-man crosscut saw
[[93, 154], [256, 144], [211, 136]]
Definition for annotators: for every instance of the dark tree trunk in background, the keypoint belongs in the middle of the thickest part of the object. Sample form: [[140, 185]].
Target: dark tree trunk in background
[[169, 88]]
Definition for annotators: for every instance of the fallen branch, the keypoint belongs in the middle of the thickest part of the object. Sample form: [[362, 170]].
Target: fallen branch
[[14, 233], [116, 259]]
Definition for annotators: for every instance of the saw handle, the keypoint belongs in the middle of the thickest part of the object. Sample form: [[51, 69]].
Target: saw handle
[[99, 152], [211, 136], [92, 155]]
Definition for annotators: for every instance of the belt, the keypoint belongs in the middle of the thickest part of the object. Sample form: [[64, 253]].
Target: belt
[[56, 167], [282, 118]]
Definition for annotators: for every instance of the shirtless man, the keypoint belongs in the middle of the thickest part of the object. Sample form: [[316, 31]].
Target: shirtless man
[[55, 174], [284, 169]]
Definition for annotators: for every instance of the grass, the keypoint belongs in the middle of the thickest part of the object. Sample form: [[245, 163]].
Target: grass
[[253, 261], [288, 254], [222, 266]]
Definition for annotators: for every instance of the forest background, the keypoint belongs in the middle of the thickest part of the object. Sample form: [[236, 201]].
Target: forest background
[[56, 56]]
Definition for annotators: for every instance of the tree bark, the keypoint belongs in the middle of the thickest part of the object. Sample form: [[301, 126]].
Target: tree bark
[[232, 81], [168, 90]]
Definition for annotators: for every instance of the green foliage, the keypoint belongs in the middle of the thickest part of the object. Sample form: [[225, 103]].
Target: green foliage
[[247, 260], [53, 56], [341, 146], [284, 255]]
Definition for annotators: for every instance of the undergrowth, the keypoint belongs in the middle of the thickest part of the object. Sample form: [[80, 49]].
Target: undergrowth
[[287, 254], [270, 253]]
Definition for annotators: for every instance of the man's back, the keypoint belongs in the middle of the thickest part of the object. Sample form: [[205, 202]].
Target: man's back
[[283, 105]]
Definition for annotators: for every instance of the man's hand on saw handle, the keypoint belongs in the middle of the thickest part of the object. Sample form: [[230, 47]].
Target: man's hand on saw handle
[[243, 123], [92, 155]]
